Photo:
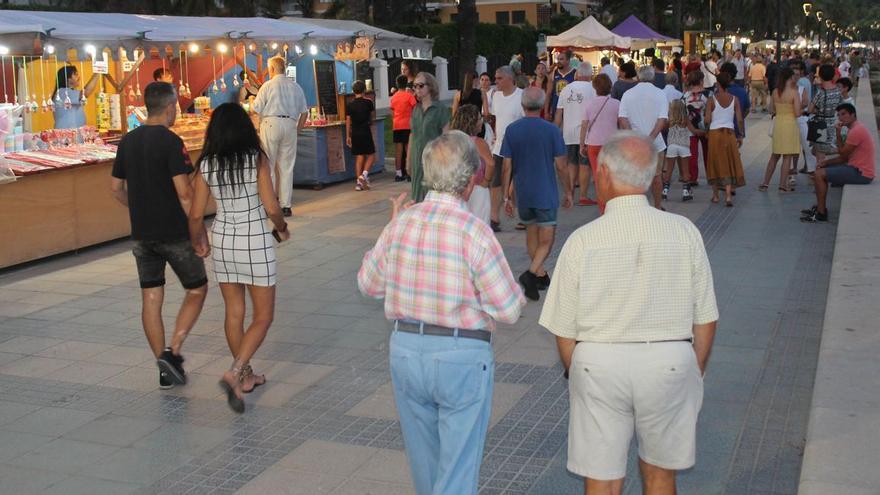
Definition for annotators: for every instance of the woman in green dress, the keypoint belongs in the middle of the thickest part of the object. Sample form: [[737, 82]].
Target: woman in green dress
[[429, 119]]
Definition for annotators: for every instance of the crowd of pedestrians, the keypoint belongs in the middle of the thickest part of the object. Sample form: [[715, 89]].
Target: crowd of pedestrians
[[635, 361]]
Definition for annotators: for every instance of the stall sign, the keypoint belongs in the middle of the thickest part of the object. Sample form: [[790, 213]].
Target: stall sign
[[127, 66], [100, 67], [359, 49]]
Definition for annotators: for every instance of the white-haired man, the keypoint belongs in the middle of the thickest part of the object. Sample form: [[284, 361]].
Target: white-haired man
[[645, 109], [506, 106], [531, 148], [445, 282], [635, 362], [282, 106], [570, 111]]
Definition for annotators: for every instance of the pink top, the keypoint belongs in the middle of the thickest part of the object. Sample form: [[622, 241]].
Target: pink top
[[437, 263], [862, 157], [605, 124]]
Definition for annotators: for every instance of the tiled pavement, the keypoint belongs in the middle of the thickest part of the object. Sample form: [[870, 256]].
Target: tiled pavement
[[80, 411]]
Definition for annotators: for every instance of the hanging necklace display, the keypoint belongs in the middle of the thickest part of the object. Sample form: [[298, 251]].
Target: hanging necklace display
[[58, 100], [137, 76], [3, 63], [27, 96], [35, 103], [14, 84], [188, 89], [214, 88]]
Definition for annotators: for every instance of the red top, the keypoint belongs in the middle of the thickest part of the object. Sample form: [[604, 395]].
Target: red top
[[862, 157], [691, 67], [402, 104]]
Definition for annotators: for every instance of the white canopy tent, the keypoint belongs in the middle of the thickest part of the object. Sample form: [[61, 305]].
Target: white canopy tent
[[589, 35], [388, 43], [70, 30]]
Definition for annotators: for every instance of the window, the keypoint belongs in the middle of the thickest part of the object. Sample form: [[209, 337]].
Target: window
[[453, 17], [545, 12], [502, 17], [518, 17]]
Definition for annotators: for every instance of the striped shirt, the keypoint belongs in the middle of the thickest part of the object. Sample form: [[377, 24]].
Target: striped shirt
[[636, 274], [439, 264]]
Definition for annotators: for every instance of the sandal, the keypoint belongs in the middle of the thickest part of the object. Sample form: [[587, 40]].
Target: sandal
[[763, 187], [728, 203], [248, 372], [716, 200], [785, 190], [231, 384], [520, 226]]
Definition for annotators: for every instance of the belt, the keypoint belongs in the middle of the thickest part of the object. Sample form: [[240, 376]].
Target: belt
[[688, 340], [428, 329], [278, 116]]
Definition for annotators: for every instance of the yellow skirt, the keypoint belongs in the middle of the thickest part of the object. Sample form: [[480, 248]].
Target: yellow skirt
[[724, 166]]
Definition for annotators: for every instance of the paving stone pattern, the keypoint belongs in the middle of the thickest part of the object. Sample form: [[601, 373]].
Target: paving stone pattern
[[80, 411]]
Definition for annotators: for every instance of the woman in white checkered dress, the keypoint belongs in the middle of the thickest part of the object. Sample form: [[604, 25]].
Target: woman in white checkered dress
[[235, 171]]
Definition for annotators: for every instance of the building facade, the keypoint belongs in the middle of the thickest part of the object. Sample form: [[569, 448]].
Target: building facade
[[517, 12]]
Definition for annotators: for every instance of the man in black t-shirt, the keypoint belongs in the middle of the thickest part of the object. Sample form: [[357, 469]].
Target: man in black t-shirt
[[151, 176]]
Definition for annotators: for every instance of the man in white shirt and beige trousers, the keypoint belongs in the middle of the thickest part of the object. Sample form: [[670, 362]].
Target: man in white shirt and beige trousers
[[282, 106], [632, 305]]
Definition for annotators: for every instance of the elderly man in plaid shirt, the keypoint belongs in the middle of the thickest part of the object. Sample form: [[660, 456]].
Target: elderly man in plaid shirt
[[445, 282]]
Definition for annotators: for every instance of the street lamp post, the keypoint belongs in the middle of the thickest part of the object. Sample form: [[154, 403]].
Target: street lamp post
[[808, 7], [819, 16], [778, 32]]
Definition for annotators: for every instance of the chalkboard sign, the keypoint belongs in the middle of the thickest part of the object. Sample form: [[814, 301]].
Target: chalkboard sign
[[325, 86]]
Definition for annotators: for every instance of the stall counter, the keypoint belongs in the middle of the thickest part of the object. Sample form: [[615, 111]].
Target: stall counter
[[323, 158], [61, 210]]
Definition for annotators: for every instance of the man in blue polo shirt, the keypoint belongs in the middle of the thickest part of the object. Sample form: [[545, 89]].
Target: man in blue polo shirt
[[534, 155]]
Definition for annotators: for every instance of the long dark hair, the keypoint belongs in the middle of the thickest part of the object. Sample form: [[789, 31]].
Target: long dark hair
[[784, 76], [231, 142], [64, 74]]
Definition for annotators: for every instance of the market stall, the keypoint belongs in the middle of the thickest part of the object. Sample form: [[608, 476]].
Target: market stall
[[60, 200], [642, 36], [590, 40]]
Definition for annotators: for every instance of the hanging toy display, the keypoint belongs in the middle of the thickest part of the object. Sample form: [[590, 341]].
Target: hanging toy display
[[137, 76], [58, 100], [27, 96], [67, 103], [35, 103], [215, 89], [82, 77], [181, 90], [222, 66], [14, 84], [47, 103]]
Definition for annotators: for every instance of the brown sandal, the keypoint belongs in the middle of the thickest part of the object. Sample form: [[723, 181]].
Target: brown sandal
[[247, 372]]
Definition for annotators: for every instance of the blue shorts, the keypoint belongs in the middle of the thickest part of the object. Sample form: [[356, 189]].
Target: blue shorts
[[539, 216], [839, 175]]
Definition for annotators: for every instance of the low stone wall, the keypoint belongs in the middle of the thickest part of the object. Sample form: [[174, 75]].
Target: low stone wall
[[842, 454]]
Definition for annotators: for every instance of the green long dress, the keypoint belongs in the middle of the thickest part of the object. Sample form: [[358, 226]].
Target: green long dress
[[426, 125]]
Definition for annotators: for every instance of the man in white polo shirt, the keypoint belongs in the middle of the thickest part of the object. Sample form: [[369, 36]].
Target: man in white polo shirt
[[645, 109], [506, 106], [635, 361]]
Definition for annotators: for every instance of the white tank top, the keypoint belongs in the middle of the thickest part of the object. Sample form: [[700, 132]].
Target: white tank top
[[723, 117]]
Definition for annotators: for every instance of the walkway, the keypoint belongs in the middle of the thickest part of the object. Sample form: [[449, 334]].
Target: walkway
[[80, 411]]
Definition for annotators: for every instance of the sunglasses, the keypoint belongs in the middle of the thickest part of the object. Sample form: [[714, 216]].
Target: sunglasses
[[419, 85]]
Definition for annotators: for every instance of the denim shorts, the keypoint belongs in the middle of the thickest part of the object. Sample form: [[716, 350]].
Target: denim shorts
[[839, 175], [151, 257], [539, 216], [573, 153]]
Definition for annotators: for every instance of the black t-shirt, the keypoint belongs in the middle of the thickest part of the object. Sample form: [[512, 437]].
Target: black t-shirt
[[147, 159], [360, 110]]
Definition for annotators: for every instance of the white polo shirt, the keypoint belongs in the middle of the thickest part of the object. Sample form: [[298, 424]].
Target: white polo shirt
[[280, 96], [573, 102], [643, 105], [507, 110]]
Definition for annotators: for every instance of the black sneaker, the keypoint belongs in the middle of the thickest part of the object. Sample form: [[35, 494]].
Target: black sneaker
[[164, 381], [172, 364], [496, 226], [408, 178], [529, 282], [815, 218], [543, 282], [810, 211], [665, 190], [686, 193], [399, 178]]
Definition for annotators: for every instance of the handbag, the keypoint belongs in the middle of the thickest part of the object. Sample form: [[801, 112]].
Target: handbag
[[816, 126]]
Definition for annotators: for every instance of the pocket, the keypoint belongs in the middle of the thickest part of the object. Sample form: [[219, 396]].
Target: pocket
[[460, 384], [400, 372]]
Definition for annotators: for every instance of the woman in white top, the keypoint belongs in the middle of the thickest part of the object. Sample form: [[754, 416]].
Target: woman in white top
[[724, 167]]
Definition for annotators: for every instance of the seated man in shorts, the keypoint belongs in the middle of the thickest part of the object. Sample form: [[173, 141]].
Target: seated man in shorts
[[854, 163]]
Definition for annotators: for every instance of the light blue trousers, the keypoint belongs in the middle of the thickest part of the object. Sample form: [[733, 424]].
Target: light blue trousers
[[443, 390]]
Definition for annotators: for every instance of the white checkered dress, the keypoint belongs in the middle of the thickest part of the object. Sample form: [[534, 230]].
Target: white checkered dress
[[242, 244]]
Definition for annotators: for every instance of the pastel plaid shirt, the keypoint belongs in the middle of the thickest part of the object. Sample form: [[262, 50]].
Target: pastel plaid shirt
[[439, 264]]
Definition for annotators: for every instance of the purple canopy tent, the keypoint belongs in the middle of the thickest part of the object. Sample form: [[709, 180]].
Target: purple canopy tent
[[642, 36]]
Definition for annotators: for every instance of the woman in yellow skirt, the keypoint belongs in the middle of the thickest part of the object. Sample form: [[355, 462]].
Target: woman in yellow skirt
[[786, 104], [724, 167]]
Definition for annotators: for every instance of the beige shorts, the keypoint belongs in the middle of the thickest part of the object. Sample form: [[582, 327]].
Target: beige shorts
[[654, 390]]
